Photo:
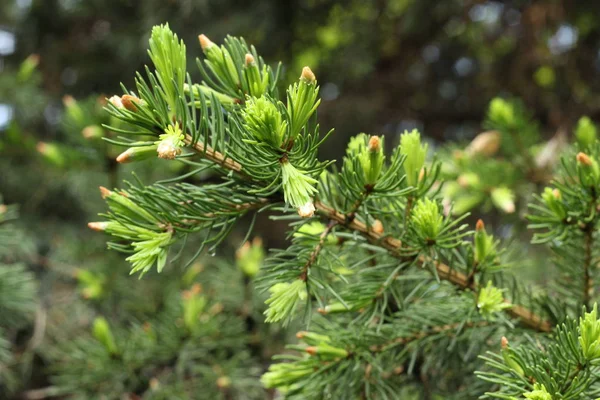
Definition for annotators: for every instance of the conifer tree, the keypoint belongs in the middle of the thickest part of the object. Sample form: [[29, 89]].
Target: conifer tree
[[397, 295]]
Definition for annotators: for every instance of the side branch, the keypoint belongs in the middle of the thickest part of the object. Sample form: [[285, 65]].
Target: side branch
[[393, 245], [317, 250], [444, 271]]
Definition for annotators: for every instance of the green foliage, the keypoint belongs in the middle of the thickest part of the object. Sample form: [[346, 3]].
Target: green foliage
[[387, 263], [562, 367]]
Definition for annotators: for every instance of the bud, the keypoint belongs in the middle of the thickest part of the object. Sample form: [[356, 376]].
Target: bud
[[308, 76], [590, 164], [249, 257], [556, 194], [138, 153], [585, 132], [91, 284], [504, 342], [502, 112], [193, 305], [374, 144], [223, 382], [421, 175], [28, 67], [57, 154], [264, 121], [484, 244], [116, 101], [104, 192], [468, 180], [427, 219], [130, 102], [589, 337], [249, 60], [480, 226], [491, 301], [307, 210], [552, 198], [205, 42], [584, 159], [509, 360], [327, 351], [68, 101], [377, 227], [167, 150], [103, 334], [170, 143], [98, 226], [415, 152], [298, 189], [503, 198], [486, 144], [312, 338], [92, 132]]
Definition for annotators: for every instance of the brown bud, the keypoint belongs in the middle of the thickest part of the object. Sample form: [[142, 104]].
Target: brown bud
[[312, 350], [463, 181], [130, 102], [41, 147], [205, 42], [584, 159], [242, 251], [154, 384], [503, 342], [307, 75], [374, 144], [92, 132], [104, 192], [3, 208], [98, 226], [196, 288], [480, 226], [322, 311], [249, 60], [557, 194], [398, 370], [124, 157], [223, 382], [377, 227], [301, 334], [421, 174], [68, 100], [486, 143]]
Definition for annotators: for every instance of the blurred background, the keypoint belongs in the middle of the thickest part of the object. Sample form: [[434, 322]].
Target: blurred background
[[384, 66]]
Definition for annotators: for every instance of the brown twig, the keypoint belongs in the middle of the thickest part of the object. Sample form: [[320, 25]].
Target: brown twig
[[317, 250]]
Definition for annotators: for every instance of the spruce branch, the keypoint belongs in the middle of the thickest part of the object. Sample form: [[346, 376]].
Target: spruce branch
[[394, 246]]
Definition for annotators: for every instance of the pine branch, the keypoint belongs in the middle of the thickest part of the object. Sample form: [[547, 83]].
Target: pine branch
[[445, 272]]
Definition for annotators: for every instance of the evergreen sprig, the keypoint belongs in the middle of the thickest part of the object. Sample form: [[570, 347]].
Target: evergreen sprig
[[416, 291]]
